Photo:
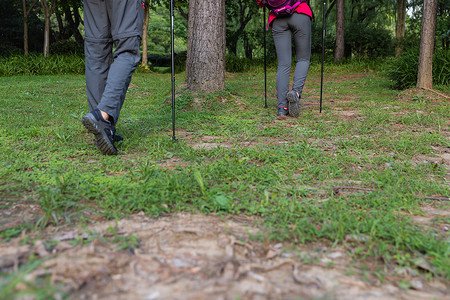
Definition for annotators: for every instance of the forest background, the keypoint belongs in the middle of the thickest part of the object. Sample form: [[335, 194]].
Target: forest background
[[374, 29]]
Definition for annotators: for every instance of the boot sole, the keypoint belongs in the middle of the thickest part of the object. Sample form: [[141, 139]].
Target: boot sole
[[294, 105], [101, 140]]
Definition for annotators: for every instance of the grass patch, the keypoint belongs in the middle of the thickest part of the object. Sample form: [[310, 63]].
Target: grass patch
[[234, 157]]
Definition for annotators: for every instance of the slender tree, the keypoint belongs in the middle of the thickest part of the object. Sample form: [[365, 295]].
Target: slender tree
[[144, 62], [425, 72], [340, 30], [400, 26], [205, 65], [26, 13], [49, 9]]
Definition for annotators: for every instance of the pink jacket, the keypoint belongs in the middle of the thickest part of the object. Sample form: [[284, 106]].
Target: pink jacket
[[301, 9]]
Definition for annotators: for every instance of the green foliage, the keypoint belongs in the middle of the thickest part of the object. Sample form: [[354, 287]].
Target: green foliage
[[414, 25], [236, 64], [369, 41], [441, 67], [8, 50], [403, 71], [180, 61], [159, 40], [35, 64], [316, 38], [160, 60], [67, 47], [242, 19]]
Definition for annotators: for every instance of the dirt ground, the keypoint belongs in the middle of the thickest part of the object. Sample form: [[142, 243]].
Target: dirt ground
[[187, 256]]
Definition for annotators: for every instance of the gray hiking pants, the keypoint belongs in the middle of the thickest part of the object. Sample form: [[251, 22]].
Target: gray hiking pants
[[283, 28], [108, 75]]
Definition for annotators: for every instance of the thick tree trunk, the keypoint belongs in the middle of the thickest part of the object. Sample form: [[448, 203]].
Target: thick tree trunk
[[400, 26], [144, 62], [340, 31], [425, 72], [205, 65]]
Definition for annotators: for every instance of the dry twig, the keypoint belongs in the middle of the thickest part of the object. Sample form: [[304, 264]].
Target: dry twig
[[440, 94]]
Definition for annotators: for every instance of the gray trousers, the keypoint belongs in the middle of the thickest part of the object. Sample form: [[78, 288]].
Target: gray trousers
[[108, 75], [299, 26]]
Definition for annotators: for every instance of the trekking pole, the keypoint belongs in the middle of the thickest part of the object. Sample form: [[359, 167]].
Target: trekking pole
[[265, 59], [173, 69], [323, 51]]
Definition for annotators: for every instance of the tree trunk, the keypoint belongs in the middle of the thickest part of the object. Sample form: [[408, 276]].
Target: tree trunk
[[63, 34], [425, 73], [77, 21], [46, 35], [26, 13], [48, 11], [400, 26], [248, 47], [73, 21], [144, 62], [232, 45], [205, 65], [25, 29], [340, 31]]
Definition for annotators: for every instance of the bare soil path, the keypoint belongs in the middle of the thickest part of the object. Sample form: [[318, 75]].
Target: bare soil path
[[185, 256]]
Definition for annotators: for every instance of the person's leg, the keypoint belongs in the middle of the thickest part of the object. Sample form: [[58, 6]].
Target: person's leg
[[282, 39], [301, 28], [98, 49], [119, 77], [126, 28]]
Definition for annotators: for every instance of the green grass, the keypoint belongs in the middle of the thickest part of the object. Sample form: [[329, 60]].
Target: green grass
[[36, 64], [283, 171]]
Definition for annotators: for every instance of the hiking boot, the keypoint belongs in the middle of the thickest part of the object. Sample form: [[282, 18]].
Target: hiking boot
[[282, 113], [102, 130], [116, 137], [294, 104]]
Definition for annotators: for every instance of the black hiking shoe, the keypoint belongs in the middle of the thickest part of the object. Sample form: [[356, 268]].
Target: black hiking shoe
[[102, 130], [282, 113], [116, 137], [294, 104]]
